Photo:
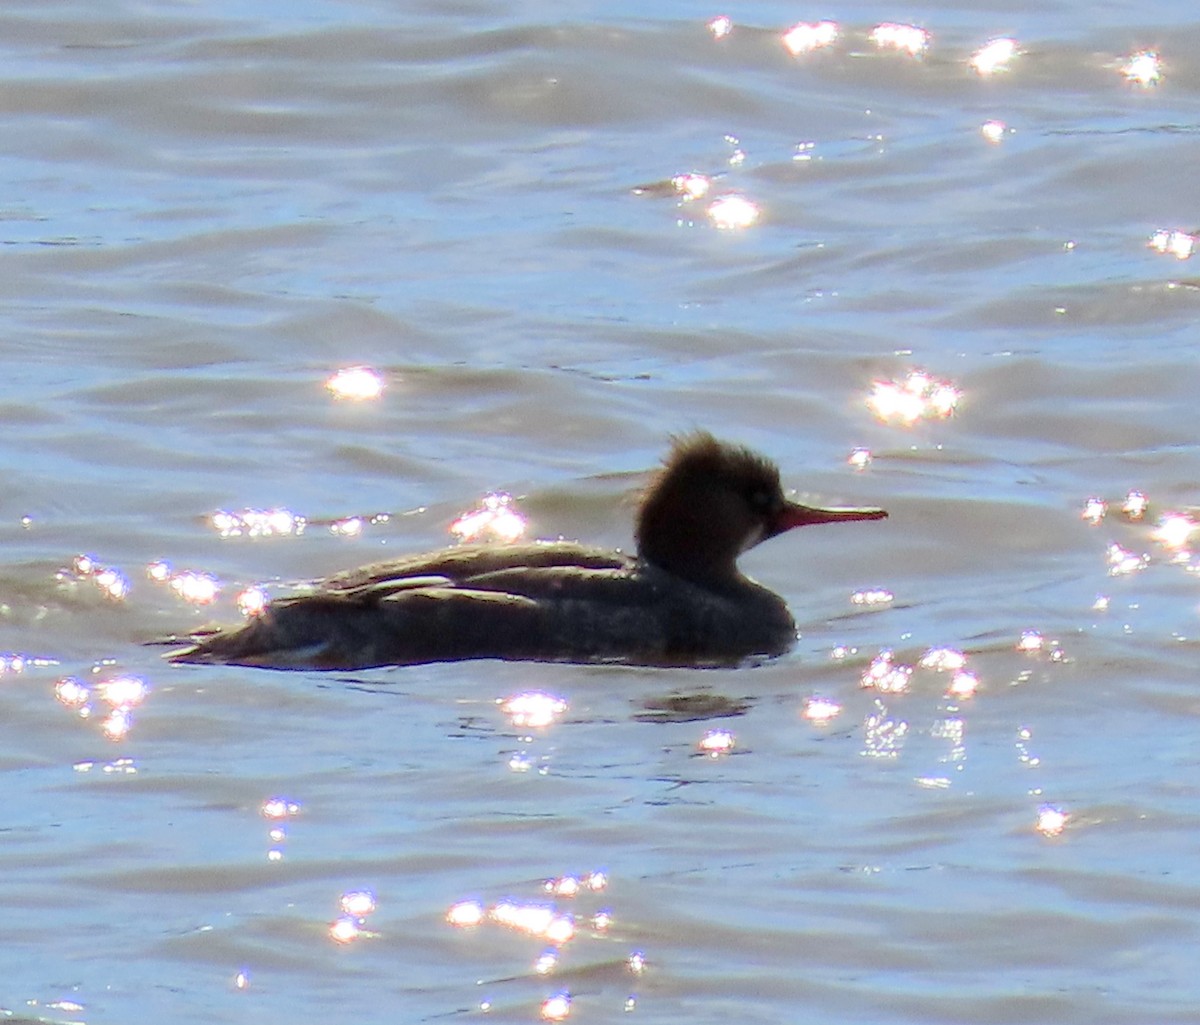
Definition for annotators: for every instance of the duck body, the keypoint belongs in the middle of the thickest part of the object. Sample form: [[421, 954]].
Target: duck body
[[558, 602], [680, 601]]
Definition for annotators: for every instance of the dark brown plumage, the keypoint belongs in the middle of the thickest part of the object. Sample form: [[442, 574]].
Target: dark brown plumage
[[681, 601]]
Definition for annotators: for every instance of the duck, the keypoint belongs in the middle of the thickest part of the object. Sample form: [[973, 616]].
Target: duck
[[679, 600]]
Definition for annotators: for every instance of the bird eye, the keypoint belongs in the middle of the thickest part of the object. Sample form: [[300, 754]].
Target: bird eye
[[759, 500]]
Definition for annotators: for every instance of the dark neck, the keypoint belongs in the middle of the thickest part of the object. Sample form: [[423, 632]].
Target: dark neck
[[701, 568]]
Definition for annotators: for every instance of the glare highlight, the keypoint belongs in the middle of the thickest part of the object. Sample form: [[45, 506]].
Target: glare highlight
[[116, 724], [252, 601], [355, 905], [692, 185], [257, 523], [571, 886], [351, 526], [1144, 68], [994, 56], [540, 920], [919, 396], [732, 212], [993, 131], [963, 684], [1174, 531], [810, 35], [821, 710], [465, 914], [715, 743], [344, 930], [885, 676], [196, 588], [687, 187], [358, 903], [557, 1008], [1094, 511], [71, 693], [279, 808], [357, 384], [1051, 821], [123, 692], [883, 736], [910, 39], [1123, 563], [496, 519], [1172, 242], [1135, 506], [943, 659], [111, 582], [720, 26], [1031, 641], [533, 709]]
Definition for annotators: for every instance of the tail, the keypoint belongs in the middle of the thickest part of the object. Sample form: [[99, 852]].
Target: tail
[[259, 642]]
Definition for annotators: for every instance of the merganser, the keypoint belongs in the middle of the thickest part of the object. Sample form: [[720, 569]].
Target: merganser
[[681, 601]]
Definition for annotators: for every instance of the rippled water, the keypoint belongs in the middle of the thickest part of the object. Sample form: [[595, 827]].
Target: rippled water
[[207, 212]]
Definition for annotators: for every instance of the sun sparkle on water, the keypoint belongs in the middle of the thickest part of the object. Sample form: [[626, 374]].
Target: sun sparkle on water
[[497, 518], [885, 676], [993, 131], [732, 212], [533, 709], [123, 692], [883, 736], [1031, 641], [257, 523], [557, 1008], [1173, 242], [1144, 68], [720, 26], [692, 185], [963, 684], [810, 35], [358, 903], [1136, 504], [252, 602], [994, 56], [717, 742], [860, 458], [71, 692], [279, 808], [344, 930], [821, 710], [1174, 531], [919, 396], [1094, 510], [196, 588], [1123, 563], [1051, 821], [571, 886], [910, 39], [943, 659], [357, 384], [465, 914], [111, 582]]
